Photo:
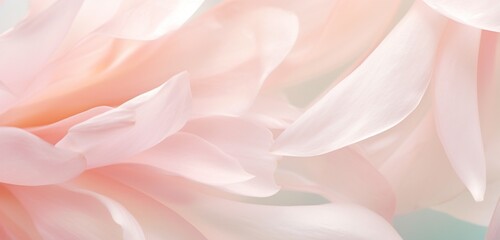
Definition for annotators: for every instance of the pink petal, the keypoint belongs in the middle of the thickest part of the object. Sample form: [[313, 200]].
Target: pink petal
[[456, 103], [494, 228], [248, 144], [28, 160], [192, 157], [134, 126], [481, 14], [150, 19], [222, 219], [373, 98], [157, 220], [28, 47], [342, 176], [64, 213], [15, 218]]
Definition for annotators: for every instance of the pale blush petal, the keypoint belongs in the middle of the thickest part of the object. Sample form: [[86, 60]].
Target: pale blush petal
[[248, 144], [134, 126], [373, 98], [273, 110], [240, 47], [482, 14], [157, 220], [28, 160], [456, 106], [15, 217], [258, 222], [28, 47], [64, 213], [150, 19], [341, 176], [190, 156], [419, 170], [494, 228], [53, 133], [464, 207]]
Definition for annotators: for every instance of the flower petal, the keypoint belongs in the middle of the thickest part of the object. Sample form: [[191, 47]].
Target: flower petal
[[28, 160], [494, 228], [12, 11], [192, 157], [150, 19], [248, 144], [374, 97], [132, 127], [456, 106], [64, 213], [482, 14], [28, 47], [341, 176]]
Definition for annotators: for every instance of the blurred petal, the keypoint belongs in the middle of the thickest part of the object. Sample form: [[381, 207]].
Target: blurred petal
[[28, 160], [134, 126], [192, 157], [28, 47], [150, 19], [373, 98], [12, 11], [62, 213], [257, 222], [157, 220], [481, 14], [456, 106], [248, 144], [494, 228], [15, 217], [341, 176]]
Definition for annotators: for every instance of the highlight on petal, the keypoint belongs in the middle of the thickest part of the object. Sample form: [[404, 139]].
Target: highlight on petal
[[456, 106], [494, 228], [65, 213], [134, 126], [248, 144], [482, 14], [342, 176], [27, 48], [379, 94], [192, 157], [28, 160], [257, 222], [150, 19]]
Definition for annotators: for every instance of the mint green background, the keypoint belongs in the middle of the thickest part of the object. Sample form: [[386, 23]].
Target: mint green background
[[432, 225]]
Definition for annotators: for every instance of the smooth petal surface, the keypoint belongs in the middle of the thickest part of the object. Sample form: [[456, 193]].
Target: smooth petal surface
[[380, 93], [12, 11], [482, 14], [134, 126], [15, 218], [150, 19], [494, 228], [248, 144], [192, 157], [62, 213], [27, 48], [456, 106], [28, 160], [257, 222], [341, 176]]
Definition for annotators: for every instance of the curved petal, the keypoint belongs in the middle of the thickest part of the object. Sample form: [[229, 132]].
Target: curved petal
[[28, 160], [379, 94], [157, 220], [15, 217], [494, 228], [248, 144], [28, 47], [12, 11], [258, 222], [134, 126], [64, 213], [341, 176], [192, 157], [456, 106], [150, 19], [482, 14]]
